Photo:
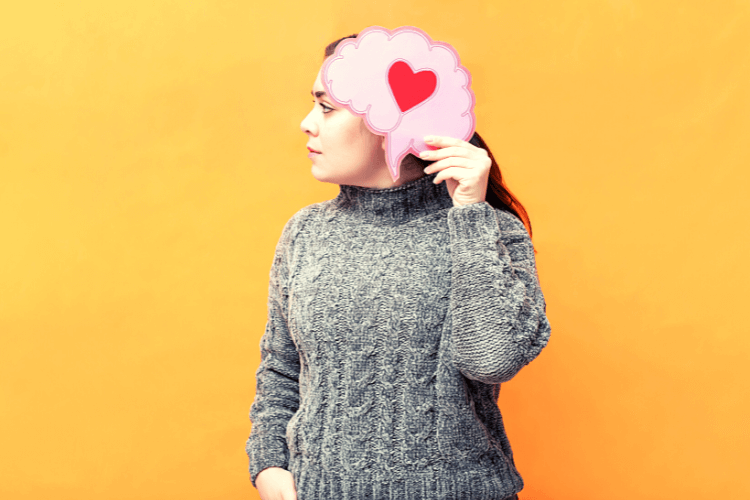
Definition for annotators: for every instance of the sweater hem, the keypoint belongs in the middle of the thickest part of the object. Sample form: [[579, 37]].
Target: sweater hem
[[312, 481]]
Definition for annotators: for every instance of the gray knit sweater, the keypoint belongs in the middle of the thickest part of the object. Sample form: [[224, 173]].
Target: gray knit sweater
[[393, 318]]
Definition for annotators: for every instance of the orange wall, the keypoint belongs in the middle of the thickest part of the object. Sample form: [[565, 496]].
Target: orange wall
[[150, 154]]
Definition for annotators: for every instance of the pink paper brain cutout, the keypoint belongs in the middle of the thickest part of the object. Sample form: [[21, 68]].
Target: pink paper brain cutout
[[405, 85]]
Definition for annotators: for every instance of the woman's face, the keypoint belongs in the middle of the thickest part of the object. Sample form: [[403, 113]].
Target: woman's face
[[347, 152]]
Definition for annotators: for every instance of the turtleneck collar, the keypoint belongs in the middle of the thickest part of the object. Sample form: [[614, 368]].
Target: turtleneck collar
[[408, 201]]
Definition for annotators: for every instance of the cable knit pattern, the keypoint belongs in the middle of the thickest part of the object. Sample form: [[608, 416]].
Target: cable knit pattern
[[393, 318]]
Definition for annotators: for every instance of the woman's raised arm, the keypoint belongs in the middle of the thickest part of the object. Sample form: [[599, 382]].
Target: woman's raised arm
[[498, 312]]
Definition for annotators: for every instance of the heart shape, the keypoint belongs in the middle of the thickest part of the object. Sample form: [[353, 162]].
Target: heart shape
[[410, 88]]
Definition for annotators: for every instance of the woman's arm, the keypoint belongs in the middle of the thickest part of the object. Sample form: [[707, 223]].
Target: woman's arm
[[277, 377], [498, 312]]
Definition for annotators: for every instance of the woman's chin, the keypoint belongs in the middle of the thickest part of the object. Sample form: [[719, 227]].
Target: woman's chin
[[326, 175], [320, 174]]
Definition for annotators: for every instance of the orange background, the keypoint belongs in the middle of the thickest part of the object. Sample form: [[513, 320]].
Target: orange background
[[150, 154]]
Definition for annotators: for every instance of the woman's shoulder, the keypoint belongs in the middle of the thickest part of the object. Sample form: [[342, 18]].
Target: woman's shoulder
[[311, 211], [302, 218]]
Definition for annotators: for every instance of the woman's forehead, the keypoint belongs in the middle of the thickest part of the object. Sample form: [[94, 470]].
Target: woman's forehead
[[318, 90], [318, 84]]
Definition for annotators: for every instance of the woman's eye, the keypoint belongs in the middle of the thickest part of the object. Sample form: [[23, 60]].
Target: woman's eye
[[326, 109]]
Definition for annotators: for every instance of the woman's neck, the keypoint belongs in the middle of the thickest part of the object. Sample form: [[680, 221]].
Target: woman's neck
[[411, 170], [395, 205]]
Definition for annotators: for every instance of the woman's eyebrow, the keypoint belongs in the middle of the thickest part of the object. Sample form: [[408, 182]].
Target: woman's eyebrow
[[318, 94]]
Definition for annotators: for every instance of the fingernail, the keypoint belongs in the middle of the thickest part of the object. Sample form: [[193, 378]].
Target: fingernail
[[423, 154]]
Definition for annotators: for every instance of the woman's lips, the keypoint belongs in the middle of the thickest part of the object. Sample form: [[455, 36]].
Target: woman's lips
[[312, 152]]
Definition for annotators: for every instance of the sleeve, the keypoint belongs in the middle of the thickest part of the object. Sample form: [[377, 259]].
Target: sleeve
[[277, 378], [499, 321]]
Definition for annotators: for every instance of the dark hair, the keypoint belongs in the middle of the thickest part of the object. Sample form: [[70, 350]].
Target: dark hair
[[498, 194]]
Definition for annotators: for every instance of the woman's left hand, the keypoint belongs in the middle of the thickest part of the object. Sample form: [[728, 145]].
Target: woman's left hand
[[464, 167]]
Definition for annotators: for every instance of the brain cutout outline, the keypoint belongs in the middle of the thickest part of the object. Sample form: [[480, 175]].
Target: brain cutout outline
[[405, 86]]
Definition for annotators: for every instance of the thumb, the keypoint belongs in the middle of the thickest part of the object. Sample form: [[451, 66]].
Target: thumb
[[290, 493]]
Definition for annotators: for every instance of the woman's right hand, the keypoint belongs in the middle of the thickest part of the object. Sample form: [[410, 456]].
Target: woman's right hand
[[275, 483]]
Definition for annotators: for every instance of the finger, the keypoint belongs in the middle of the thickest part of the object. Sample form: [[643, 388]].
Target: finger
[[438, 154], [448, 173], [453, 161], [443, 141]]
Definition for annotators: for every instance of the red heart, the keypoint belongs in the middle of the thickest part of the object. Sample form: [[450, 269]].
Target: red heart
[[410, 88]]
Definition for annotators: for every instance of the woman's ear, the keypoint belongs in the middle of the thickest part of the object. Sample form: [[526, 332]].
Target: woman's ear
[[382, 142]]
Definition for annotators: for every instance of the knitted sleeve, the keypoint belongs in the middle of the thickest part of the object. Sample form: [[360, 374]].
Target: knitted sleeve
[[277, 377], [499, 321]]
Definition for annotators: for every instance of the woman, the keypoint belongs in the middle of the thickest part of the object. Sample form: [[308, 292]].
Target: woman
[[396, 310]]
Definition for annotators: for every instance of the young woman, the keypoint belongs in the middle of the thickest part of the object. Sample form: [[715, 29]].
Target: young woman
[[396, 310]]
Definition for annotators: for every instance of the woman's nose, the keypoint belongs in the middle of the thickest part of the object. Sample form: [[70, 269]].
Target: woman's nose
[[308, 125]]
